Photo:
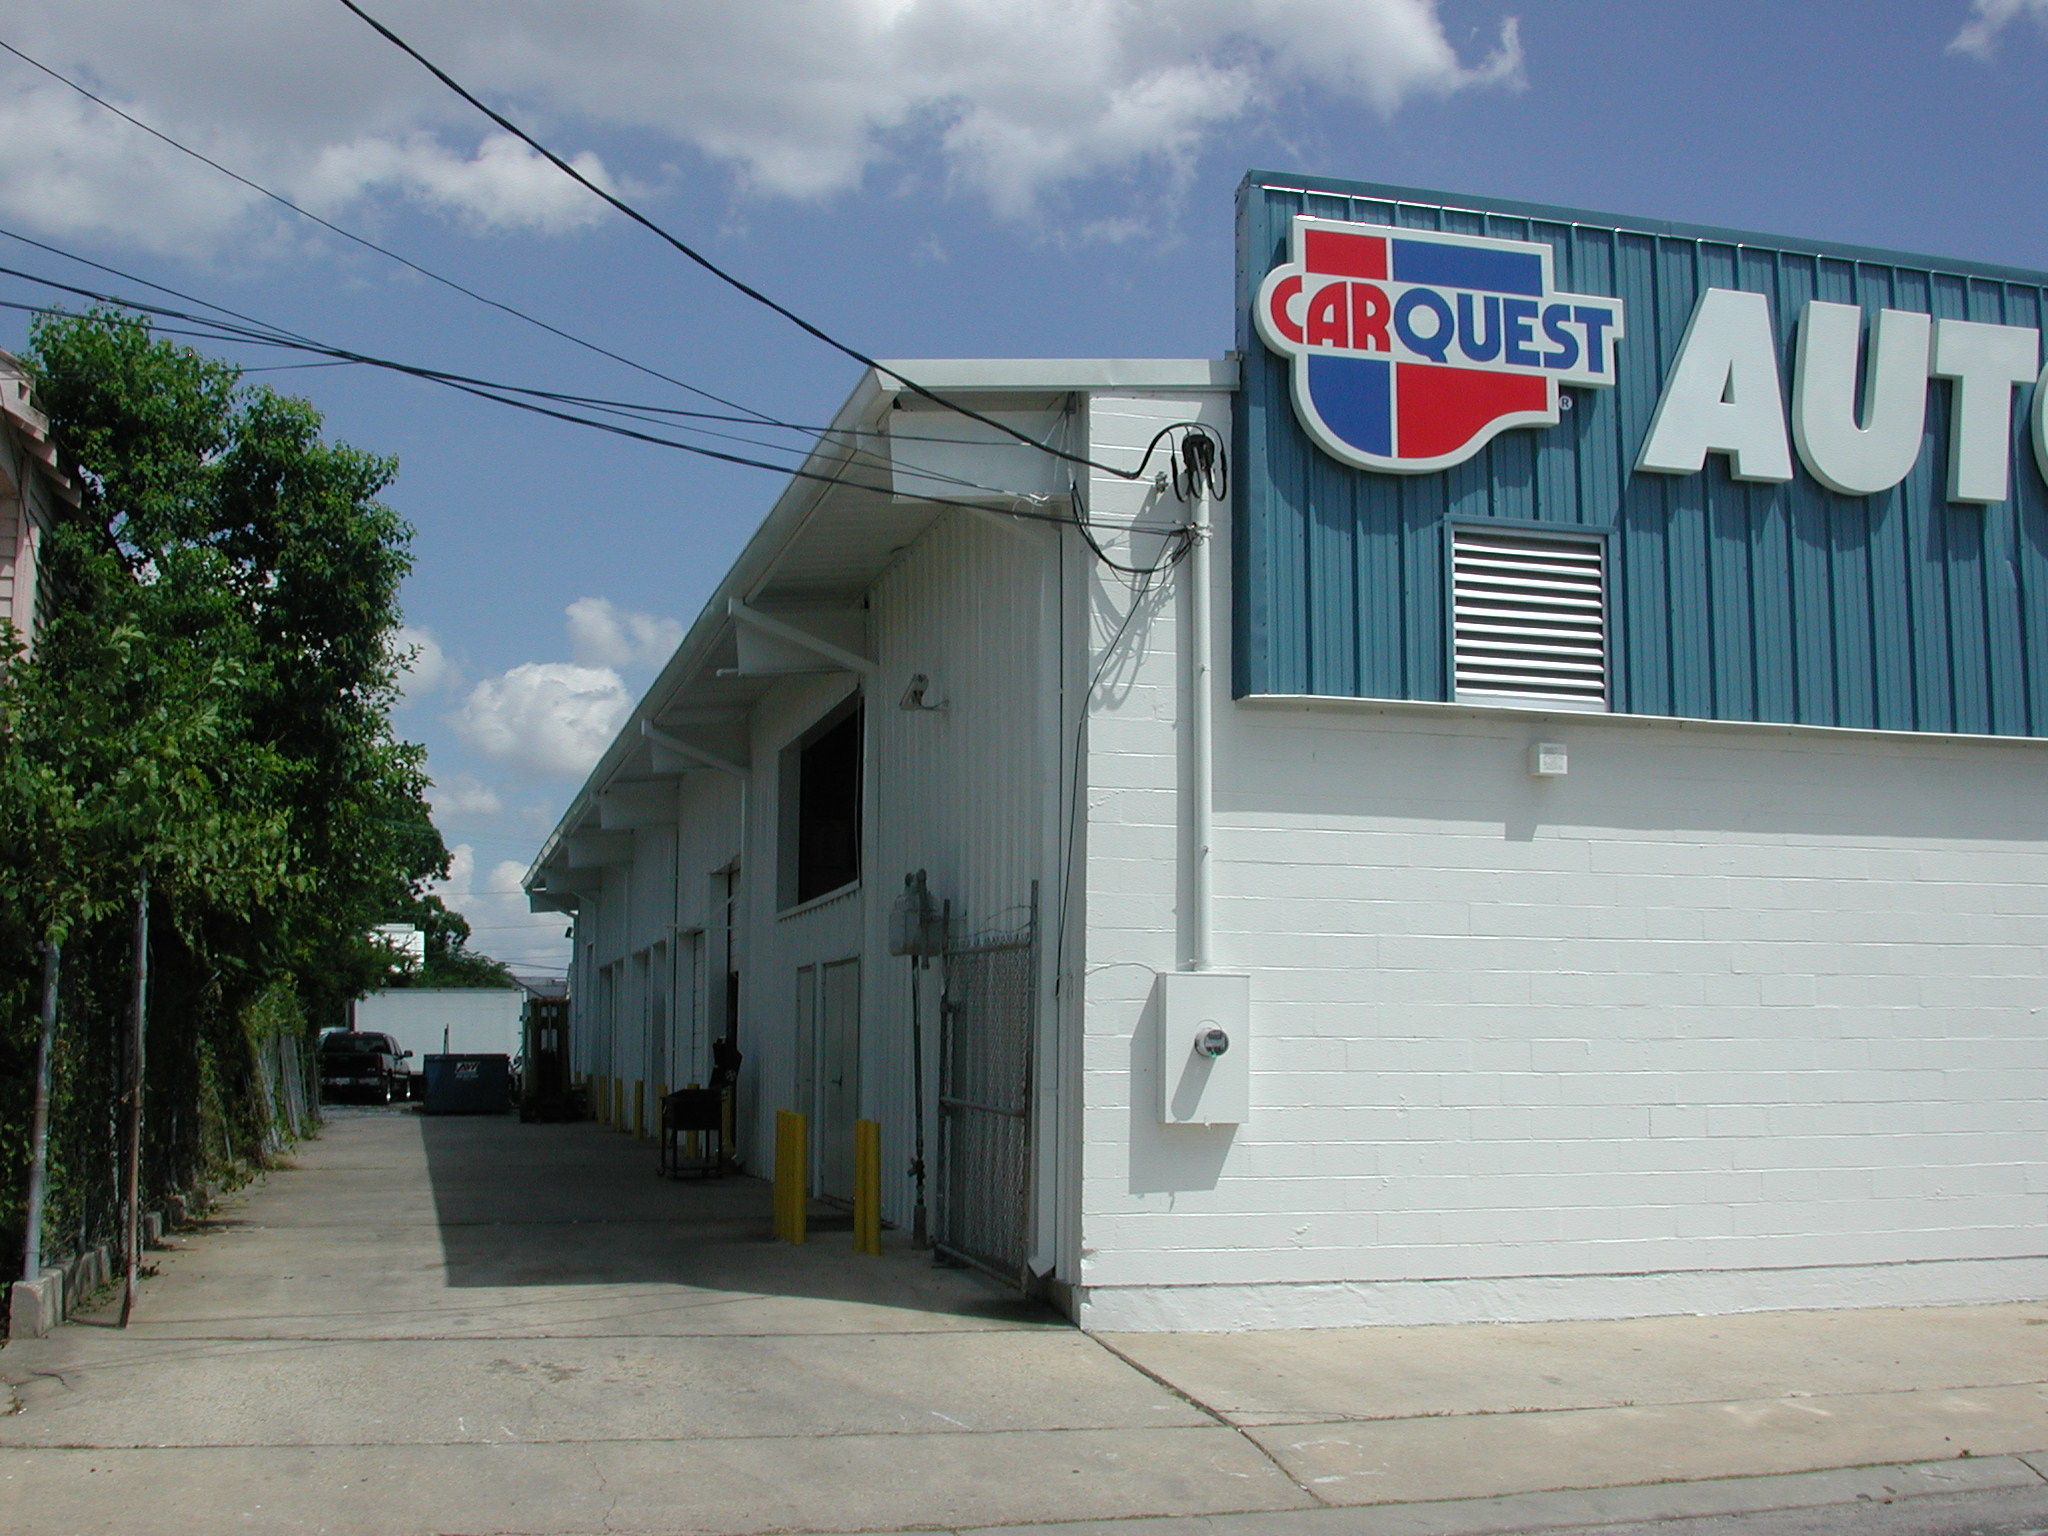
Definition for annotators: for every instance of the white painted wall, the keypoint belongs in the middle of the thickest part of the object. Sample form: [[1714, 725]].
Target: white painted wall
[[1729, 1017], [470, 1020], [964, 793]]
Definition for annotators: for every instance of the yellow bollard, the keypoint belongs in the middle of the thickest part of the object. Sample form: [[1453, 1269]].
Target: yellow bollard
[[867, 1186], [791, 1137], [618, 1104], [640, 1107]]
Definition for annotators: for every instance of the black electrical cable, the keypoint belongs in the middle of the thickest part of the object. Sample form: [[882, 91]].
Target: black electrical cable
[[631, 409], [370, 245], [486, 390], [748, 413], [711, 266], [267, 329]]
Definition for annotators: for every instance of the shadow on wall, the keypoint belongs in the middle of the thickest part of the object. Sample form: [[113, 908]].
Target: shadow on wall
[[1167, 1159], [565, 1205], [1627, 775]]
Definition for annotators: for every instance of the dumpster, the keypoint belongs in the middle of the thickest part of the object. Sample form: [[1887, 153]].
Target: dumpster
[[468, 1085]]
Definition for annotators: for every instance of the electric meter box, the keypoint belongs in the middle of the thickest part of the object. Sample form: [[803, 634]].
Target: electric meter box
[[1205, 1071]]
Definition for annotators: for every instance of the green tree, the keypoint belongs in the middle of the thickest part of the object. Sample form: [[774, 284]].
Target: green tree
[[211, 699]]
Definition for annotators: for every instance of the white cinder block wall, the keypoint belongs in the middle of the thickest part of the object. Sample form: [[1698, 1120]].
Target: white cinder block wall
[[1729, 1017]]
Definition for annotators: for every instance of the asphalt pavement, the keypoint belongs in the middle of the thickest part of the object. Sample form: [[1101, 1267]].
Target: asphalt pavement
[[434, 1326]]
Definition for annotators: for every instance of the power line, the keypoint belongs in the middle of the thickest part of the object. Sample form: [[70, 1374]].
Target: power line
[[405, 261], [748, 413], [711, 266], [217, 330], [630, 409]]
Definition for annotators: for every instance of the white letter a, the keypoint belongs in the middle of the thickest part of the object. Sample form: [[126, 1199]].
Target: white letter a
[[1724, 394]]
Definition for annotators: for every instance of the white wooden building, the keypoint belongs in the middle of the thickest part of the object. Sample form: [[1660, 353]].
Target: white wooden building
[[1535, 1004]]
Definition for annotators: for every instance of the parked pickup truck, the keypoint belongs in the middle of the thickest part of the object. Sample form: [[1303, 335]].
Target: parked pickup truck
[[363, 1065]]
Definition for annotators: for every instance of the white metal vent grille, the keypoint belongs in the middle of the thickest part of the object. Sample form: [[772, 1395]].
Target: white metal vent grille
[[1530, 618]]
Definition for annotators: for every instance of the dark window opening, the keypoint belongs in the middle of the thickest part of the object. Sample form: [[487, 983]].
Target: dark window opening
[[828, 807]]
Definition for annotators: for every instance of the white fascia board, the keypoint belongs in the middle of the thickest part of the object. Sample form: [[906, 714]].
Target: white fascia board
[[1056, 375]]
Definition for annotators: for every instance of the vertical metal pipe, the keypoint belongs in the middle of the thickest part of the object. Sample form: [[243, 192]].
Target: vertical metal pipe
[[920, 1229], [131, 1176], [1200, 773], [39, 1121]]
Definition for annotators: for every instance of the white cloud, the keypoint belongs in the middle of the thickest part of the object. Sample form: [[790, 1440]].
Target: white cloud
[[503, 187], [1989, 18], [423, 667], [601, 635], [461, 796], [549, 719], [500, 924], [799, 98]]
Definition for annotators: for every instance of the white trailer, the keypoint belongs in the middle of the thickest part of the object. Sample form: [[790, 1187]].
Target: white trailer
[[441, 1020]]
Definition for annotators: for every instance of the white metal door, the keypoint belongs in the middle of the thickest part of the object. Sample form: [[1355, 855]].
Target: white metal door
[[838, 1076]]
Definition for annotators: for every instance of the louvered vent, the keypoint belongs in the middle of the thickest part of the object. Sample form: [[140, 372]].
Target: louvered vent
[[1531, 618]]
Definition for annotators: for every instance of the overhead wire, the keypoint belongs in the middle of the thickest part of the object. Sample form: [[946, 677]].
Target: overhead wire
[[371, 245], [730, 279], [747, 414], [631, 409], [269, 334], [490, 390]]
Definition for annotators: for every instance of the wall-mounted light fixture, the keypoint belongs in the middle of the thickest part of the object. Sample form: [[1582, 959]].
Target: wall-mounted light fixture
[[914, 695]]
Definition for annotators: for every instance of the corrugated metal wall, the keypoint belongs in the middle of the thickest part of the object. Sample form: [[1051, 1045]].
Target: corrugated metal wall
[[1728, 600], [960, 792]]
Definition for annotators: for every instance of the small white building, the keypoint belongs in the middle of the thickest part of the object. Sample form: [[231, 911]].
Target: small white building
[[1372, 889]]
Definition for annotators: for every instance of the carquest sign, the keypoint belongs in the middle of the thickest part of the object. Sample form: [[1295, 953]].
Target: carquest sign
[[1411, 350], [1811, 480]]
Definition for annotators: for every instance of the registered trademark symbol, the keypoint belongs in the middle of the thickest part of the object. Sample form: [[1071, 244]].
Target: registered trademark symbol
[[1565, 402]]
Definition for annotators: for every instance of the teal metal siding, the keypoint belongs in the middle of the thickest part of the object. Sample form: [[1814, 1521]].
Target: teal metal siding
[[1727, 600]]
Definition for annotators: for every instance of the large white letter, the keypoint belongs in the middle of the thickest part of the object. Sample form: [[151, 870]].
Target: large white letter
[[1859, 455], [1985, 361], [2041, 423], [1724, 394]]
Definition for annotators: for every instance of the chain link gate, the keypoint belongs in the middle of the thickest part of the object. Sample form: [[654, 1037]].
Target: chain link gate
[[985, 1051]]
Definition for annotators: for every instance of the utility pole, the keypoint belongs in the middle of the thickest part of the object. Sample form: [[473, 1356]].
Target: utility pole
[[39, 1120], [131, 1176]]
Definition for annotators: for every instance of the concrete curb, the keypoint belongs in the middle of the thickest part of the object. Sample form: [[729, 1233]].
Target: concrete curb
[[36, 1306], [1581, 1509]]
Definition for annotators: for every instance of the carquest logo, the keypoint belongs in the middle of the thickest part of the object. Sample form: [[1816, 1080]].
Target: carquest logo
[[1411, 350]]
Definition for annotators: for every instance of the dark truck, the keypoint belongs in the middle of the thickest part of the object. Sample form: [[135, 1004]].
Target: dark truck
[[367, 1066]]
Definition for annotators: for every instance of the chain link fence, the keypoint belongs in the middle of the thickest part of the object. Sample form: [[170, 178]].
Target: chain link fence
[[985, 1050]]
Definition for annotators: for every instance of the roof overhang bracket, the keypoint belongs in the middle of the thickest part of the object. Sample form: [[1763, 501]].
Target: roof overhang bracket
[[839, 657], [690, 752]]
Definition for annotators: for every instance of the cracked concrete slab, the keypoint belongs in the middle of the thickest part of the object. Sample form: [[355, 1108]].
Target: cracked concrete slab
[[479, 1326], [1395, 1461]]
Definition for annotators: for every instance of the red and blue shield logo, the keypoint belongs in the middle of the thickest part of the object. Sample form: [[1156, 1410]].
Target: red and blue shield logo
[[1411, 350]]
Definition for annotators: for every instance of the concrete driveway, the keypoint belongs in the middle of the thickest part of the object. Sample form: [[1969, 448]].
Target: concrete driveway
[[472, 1325], [436, 1325]]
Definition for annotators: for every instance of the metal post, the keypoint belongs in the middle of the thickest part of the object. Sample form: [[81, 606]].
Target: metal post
[[920, 1230], [1200, 766], [867, 1186], [792, 1178], [131, 1177], [39, 1122]]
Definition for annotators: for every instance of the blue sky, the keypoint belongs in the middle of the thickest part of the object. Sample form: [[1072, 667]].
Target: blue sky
[[923, 177]]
